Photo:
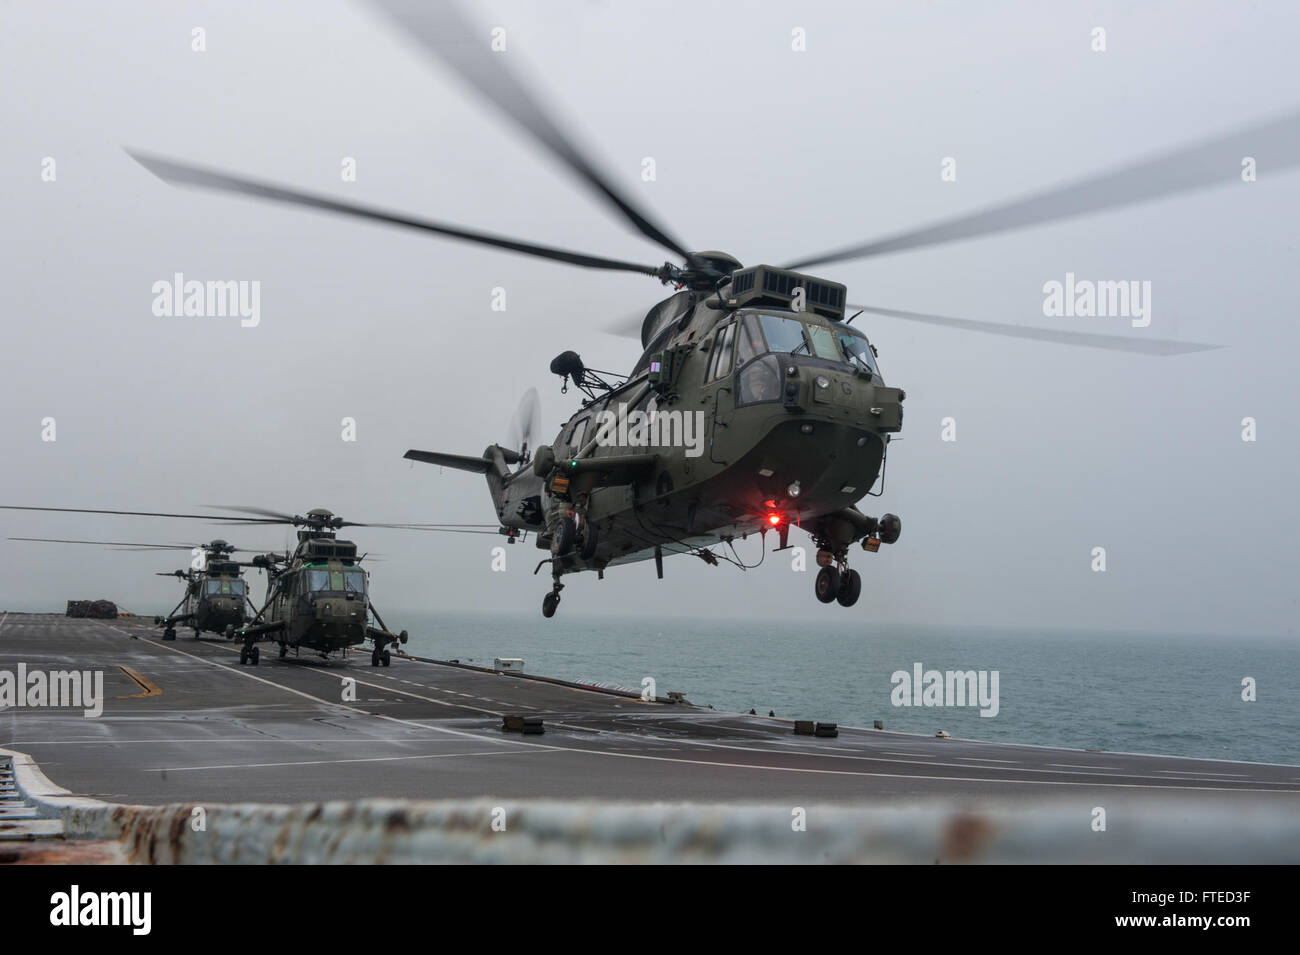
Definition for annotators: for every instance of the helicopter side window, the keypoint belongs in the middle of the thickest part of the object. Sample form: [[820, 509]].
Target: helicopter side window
[[857, 350], [723, 349], [578, 434], [749, 340], [760, 380]]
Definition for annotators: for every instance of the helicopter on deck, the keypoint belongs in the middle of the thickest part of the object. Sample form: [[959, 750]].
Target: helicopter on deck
[[317, 596], [216, 593]]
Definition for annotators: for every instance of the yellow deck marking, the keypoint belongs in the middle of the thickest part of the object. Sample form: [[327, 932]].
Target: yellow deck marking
[[149, 686]]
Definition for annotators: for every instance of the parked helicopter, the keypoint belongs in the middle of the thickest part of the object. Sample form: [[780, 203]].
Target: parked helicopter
[[796, 417], [215, 589], [318, 595]]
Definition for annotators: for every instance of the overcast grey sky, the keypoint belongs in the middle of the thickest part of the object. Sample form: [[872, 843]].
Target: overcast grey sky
[[759, 150]]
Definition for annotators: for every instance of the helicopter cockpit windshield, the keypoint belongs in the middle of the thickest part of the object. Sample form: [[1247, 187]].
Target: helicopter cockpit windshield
[[856, 348], [225, 586], [789, 335], [338, 581]]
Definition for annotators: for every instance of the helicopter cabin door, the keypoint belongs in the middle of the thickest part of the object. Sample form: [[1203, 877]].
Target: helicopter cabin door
[[717, 397]]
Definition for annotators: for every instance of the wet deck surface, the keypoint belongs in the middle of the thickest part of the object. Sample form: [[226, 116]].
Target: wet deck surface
[[212, 730]]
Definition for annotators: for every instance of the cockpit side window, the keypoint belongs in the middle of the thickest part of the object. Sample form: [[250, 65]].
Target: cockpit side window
[[723, 348], [577, 435], [749, 340], [857, 350]]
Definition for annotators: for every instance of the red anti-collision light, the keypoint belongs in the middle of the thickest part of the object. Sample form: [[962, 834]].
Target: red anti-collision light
[[774, 519]]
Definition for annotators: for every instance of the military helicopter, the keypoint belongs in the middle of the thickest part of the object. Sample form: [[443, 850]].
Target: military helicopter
[[215, 589], [796, 417], [318, 595]]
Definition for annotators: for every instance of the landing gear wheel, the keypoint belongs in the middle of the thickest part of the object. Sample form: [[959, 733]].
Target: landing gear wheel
[[243, 657], [386, 658], [374, 658], [566, 531], [850, 588], [254, 655], [590, 540], [827, 584], [549, 604], [284, 650], [169, 634]]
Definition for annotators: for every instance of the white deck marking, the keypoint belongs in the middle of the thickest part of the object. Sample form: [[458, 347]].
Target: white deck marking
[[331, 762]]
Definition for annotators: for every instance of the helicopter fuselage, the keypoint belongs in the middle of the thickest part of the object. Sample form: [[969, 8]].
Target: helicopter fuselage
[[744, 437], [321, 605]]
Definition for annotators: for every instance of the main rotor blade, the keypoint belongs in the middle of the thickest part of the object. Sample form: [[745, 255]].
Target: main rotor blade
[[280, 518], [439, 530], [441, 30], [628, 325], [1060, 336], [128, 545], [1274, 144], [450, 528], [85, 510], [184, 174]]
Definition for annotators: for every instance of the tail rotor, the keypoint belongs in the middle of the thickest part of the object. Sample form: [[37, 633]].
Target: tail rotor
[[525, 424]]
